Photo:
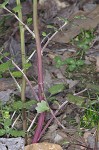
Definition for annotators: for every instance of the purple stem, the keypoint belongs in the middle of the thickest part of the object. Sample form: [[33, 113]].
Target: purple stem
[[40, 72], [39, 127]]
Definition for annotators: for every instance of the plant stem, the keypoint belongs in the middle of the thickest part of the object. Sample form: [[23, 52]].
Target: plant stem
[[48, 123], [40, 72], [23, 55]]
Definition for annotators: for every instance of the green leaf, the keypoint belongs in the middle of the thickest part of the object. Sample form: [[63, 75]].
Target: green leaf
[[5, 54], [29, 21], [72, 67], [17, 8], [17, 74], [52, 27], [5, 66], [4, 4], [75, 99], [27, 65], [94, 87], [65, 20], [80, 44], [80, 63], [42, 107], [7, 123], [52, 99], [57, 58], [1, 120], [0, 76], [80, 17], [70, 61], [59, 65], [17, 105], [2, 132], [20, 105], [86, 46], [6, 114], [16, 133], [44, 34], [30, 103], [58, 61], [56, 89]]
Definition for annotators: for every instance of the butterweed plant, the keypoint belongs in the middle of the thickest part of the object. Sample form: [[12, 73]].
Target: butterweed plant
[[22, 105]]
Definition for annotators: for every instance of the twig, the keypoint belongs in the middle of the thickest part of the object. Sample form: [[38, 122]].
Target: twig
[[31, 32], [53, 36], [17, 84], [15, 121], [32, 123], [13, 115], [80, 92], [45, 38], [57, 119], [81, 145], [29, 58]]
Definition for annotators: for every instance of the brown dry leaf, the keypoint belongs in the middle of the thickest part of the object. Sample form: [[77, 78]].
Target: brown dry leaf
[[72, 83], [7, 83], [60, 137], [12, 46], [50, 8], [76, 25], [50, 134], [97, 63], [43, 146], [86, 134], [47, 79], [91, 139], [5, 95], [26, 8]]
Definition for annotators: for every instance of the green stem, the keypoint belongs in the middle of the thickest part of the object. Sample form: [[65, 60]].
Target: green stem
[[23, 56]]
